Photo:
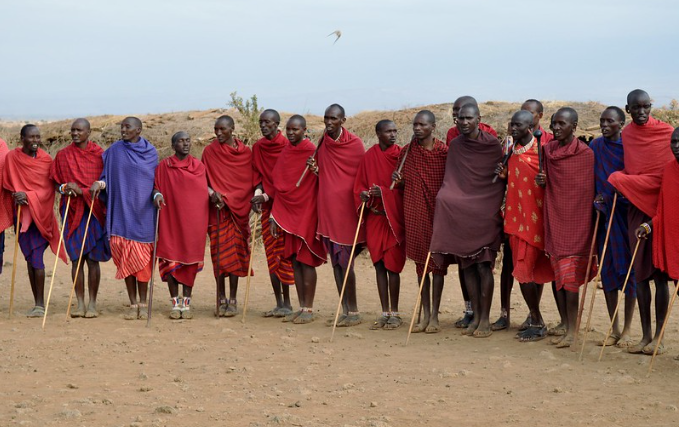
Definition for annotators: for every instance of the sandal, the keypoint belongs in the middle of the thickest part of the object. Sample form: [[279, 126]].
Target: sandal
[[394, 322], [526, 323], [500, 324], [143, 312], [36, 311], [557, 332], [342, 317], [353, 319], [306, 316], [533, 333], [132, 313], [186, 309], [281, 312], [464, 321], [292, 316], [232, 308], [176, 312], [269, 313], [380, 323], [222, 308]]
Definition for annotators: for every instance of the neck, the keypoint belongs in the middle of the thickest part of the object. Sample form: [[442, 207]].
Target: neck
[[81, 145], [427, 142], [335, 134], [230, 142], [525, 140], [566, 141], [475, 134], [272, 137], [614, 137], [27, 151], [181, 156], [385, 145], [296, 143], [135, 140]]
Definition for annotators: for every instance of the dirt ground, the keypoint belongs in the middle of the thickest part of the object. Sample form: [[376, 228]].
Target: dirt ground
[[207, 371]]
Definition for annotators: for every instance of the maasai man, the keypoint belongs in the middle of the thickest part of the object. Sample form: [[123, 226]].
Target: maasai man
[[646, 155], [126, 186], [26, 175], [339, 154], [665, 254], [75, 168], [608, 158], [421, 179], [181, 192], [228, 163], [453, 133], [467, 222], [295, 215], [568, 179], [6, 203], [536, 108], [385, 233], [265, 153], [523, 222]]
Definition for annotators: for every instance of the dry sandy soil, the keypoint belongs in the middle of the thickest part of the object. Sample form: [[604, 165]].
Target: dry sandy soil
[[208, 371]]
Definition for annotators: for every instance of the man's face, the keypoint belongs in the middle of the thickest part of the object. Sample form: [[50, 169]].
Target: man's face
[[182, 146], [532, 108], [387, 135], [268, 125], [294, 131], [31, 141], [640, 109], [80, 132], [674, 144], [422, 127], [610, 124], [223, 130], [519, 128], [333, 120], [563, 127], [467, 121], [129, 131]]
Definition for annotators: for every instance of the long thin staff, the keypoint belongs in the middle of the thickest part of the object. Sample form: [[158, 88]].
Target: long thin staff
[[541, 152], [662, 331], [56, 261], [346, 274], [601, 266], [617, 306], [14, 263], [153, 269], [306, 169], [419, 297], [510, 150], [403, 162], [249, 276], [80, 258], [217, 271], [584, 291]]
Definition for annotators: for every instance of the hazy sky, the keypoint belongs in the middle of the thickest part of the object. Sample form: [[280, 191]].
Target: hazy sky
[[65, 58]]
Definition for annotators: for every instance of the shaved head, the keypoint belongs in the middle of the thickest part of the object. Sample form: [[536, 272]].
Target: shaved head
[[298, 119], [619, 114], [523, 116], [428, 115], [276, 117], [26, 128], [568, 112], [381, 125], [535, 103], [133, 121], [178, 135], [637, 95], [84, 122], [341, 114], [474, 108], [466, 99], [227, 119]]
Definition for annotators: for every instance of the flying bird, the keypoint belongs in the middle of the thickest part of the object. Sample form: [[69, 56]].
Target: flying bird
[[337, 33]]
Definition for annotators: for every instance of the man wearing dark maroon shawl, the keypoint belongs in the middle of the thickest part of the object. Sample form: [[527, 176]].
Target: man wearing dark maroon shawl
[[646, 155], [421, 178], [385, 232], [467, 220], [568, 179], [339, 154]]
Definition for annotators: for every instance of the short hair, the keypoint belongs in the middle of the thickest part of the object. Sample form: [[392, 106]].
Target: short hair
[[177, 135], [465, 99], [298, 118], [227, 119], [430, 116], [570, 111], [524, 115], [134, 120], [337, 106], [25, 128], [381, 124], [636, 93], [618, 112], [540, 109], [87, 123], [277, 117], [474, 107]]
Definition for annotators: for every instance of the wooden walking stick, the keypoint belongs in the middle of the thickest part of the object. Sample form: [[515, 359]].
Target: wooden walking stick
[[419, 297], [346, 274], [216, 268], [581, 307], [598, 275], [617, 306], [153, 269], [56, 261], [14, 263], [403, 162], [306, 169], [249, 276], [662, 332], [510, 150], [80, 258]]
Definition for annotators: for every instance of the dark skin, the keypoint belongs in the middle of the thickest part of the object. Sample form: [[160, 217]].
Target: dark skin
[[30, 144], [611, 125], [334, 120], [80, 134], [268, 125], [388, 282], [564, 126], [478, 277], [532, 108], [224, 132], [648, 340], [423, 130], [182, 148], [521, 129], [305, 275]]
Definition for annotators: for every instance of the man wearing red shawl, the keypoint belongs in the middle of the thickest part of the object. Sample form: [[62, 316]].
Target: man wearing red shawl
[[523, 222], [421, 178], [385, 233], [339, 154], [181, 192], [126, 186], [75, 168], [295, 215], [568, 179], [6, 203], [646, 155], [536, 108], [228, 163], [467, 223], [27, 176], [265, 153]]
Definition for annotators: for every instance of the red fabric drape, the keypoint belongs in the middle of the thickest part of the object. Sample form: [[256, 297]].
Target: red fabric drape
[[665, 227], [6, 204], [454, 132], [264, 156]]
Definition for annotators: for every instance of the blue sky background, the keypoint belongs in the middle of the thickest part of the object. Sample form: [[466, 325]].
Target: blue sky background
[[66, 58]]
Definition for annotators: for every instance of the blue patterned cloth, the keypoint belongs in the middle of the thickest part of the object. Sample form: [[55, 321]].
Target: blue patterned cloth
[[96, 244], [33, 246], [608, 158]]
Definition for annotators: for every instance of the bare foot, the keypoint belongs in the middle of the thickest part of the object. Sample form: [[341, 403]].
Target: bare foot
[[433, 327], [78, 312], [91, 310]]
